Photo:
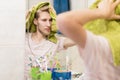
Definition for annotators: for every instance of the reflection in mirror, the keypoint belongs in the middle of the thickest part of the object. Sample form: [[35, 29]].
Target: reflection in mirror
[[46, 50]]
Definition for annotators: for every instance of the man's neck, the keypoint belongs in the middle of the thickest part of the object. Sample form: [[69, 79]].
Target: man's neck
[[37, 37]]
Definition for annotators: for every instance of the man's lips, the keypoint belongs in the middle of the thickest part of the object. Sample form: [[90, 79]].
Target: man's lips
[[48, 29]]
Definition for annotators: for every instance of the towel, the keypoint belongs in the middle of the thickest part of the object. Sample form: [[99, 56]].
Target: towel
[[110, 29], [30, 27]]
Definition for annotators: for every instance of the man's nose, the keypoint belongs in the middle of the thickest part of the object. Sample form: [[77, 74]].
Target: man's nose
[[48, 23]]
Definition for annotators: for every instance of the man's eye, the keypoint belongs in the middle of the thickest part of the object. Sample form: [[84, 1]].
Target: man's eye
[[43, 19], [50, 20]]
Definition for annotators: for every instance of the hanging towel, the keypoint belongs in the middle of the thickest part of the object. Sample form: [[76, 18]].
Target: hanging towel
[[110, 29], [30, 27], [61, 5]]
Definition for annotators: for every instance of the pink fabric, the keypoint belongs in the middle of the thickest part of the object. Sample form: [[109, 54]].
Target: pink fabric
[[98, 59]]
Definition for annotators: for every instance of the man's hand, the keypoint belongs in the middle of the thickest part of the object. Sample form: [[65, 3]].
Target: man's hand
[[107, 8]]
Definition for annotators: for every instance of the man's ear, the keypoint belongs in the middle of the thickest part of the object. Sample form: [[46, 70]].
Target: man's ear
[[35, 21]]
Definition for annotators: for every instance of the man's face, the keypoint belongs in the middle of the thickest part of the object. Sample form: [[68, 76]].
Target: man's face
[[44, 23]]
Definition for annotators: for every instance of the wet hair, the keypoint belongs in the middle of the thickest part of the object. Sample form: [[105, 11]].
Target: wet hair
[[43, 9]]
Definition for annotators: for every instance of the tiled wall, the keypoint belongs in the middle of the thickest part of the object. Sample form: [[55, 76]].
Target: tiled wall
[[79, 4], [12, 27]]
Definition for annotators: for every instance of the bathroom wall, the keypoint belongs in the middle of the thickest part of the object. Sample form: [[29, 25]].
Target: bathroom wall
[[78, 4], [12, 27]]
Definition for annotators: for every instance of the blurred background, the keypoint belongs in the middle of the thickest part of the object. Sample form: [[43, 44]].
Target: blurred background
[[12, 35]]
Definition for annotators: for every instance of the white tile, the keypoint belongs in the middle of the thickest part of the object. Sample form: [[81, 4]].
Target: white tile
[[12, 22], [11, 62], [78, 4], [12, 38], [12, 4]]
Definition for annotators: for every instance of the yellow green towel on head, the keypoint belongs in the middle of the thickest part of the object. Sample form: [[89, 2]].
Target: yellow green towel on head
[[30, 27], [110, 29]]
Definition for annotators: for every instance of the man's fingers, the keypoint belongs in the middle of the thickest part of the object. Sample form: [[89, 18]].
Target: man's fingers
[[117, 17]]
